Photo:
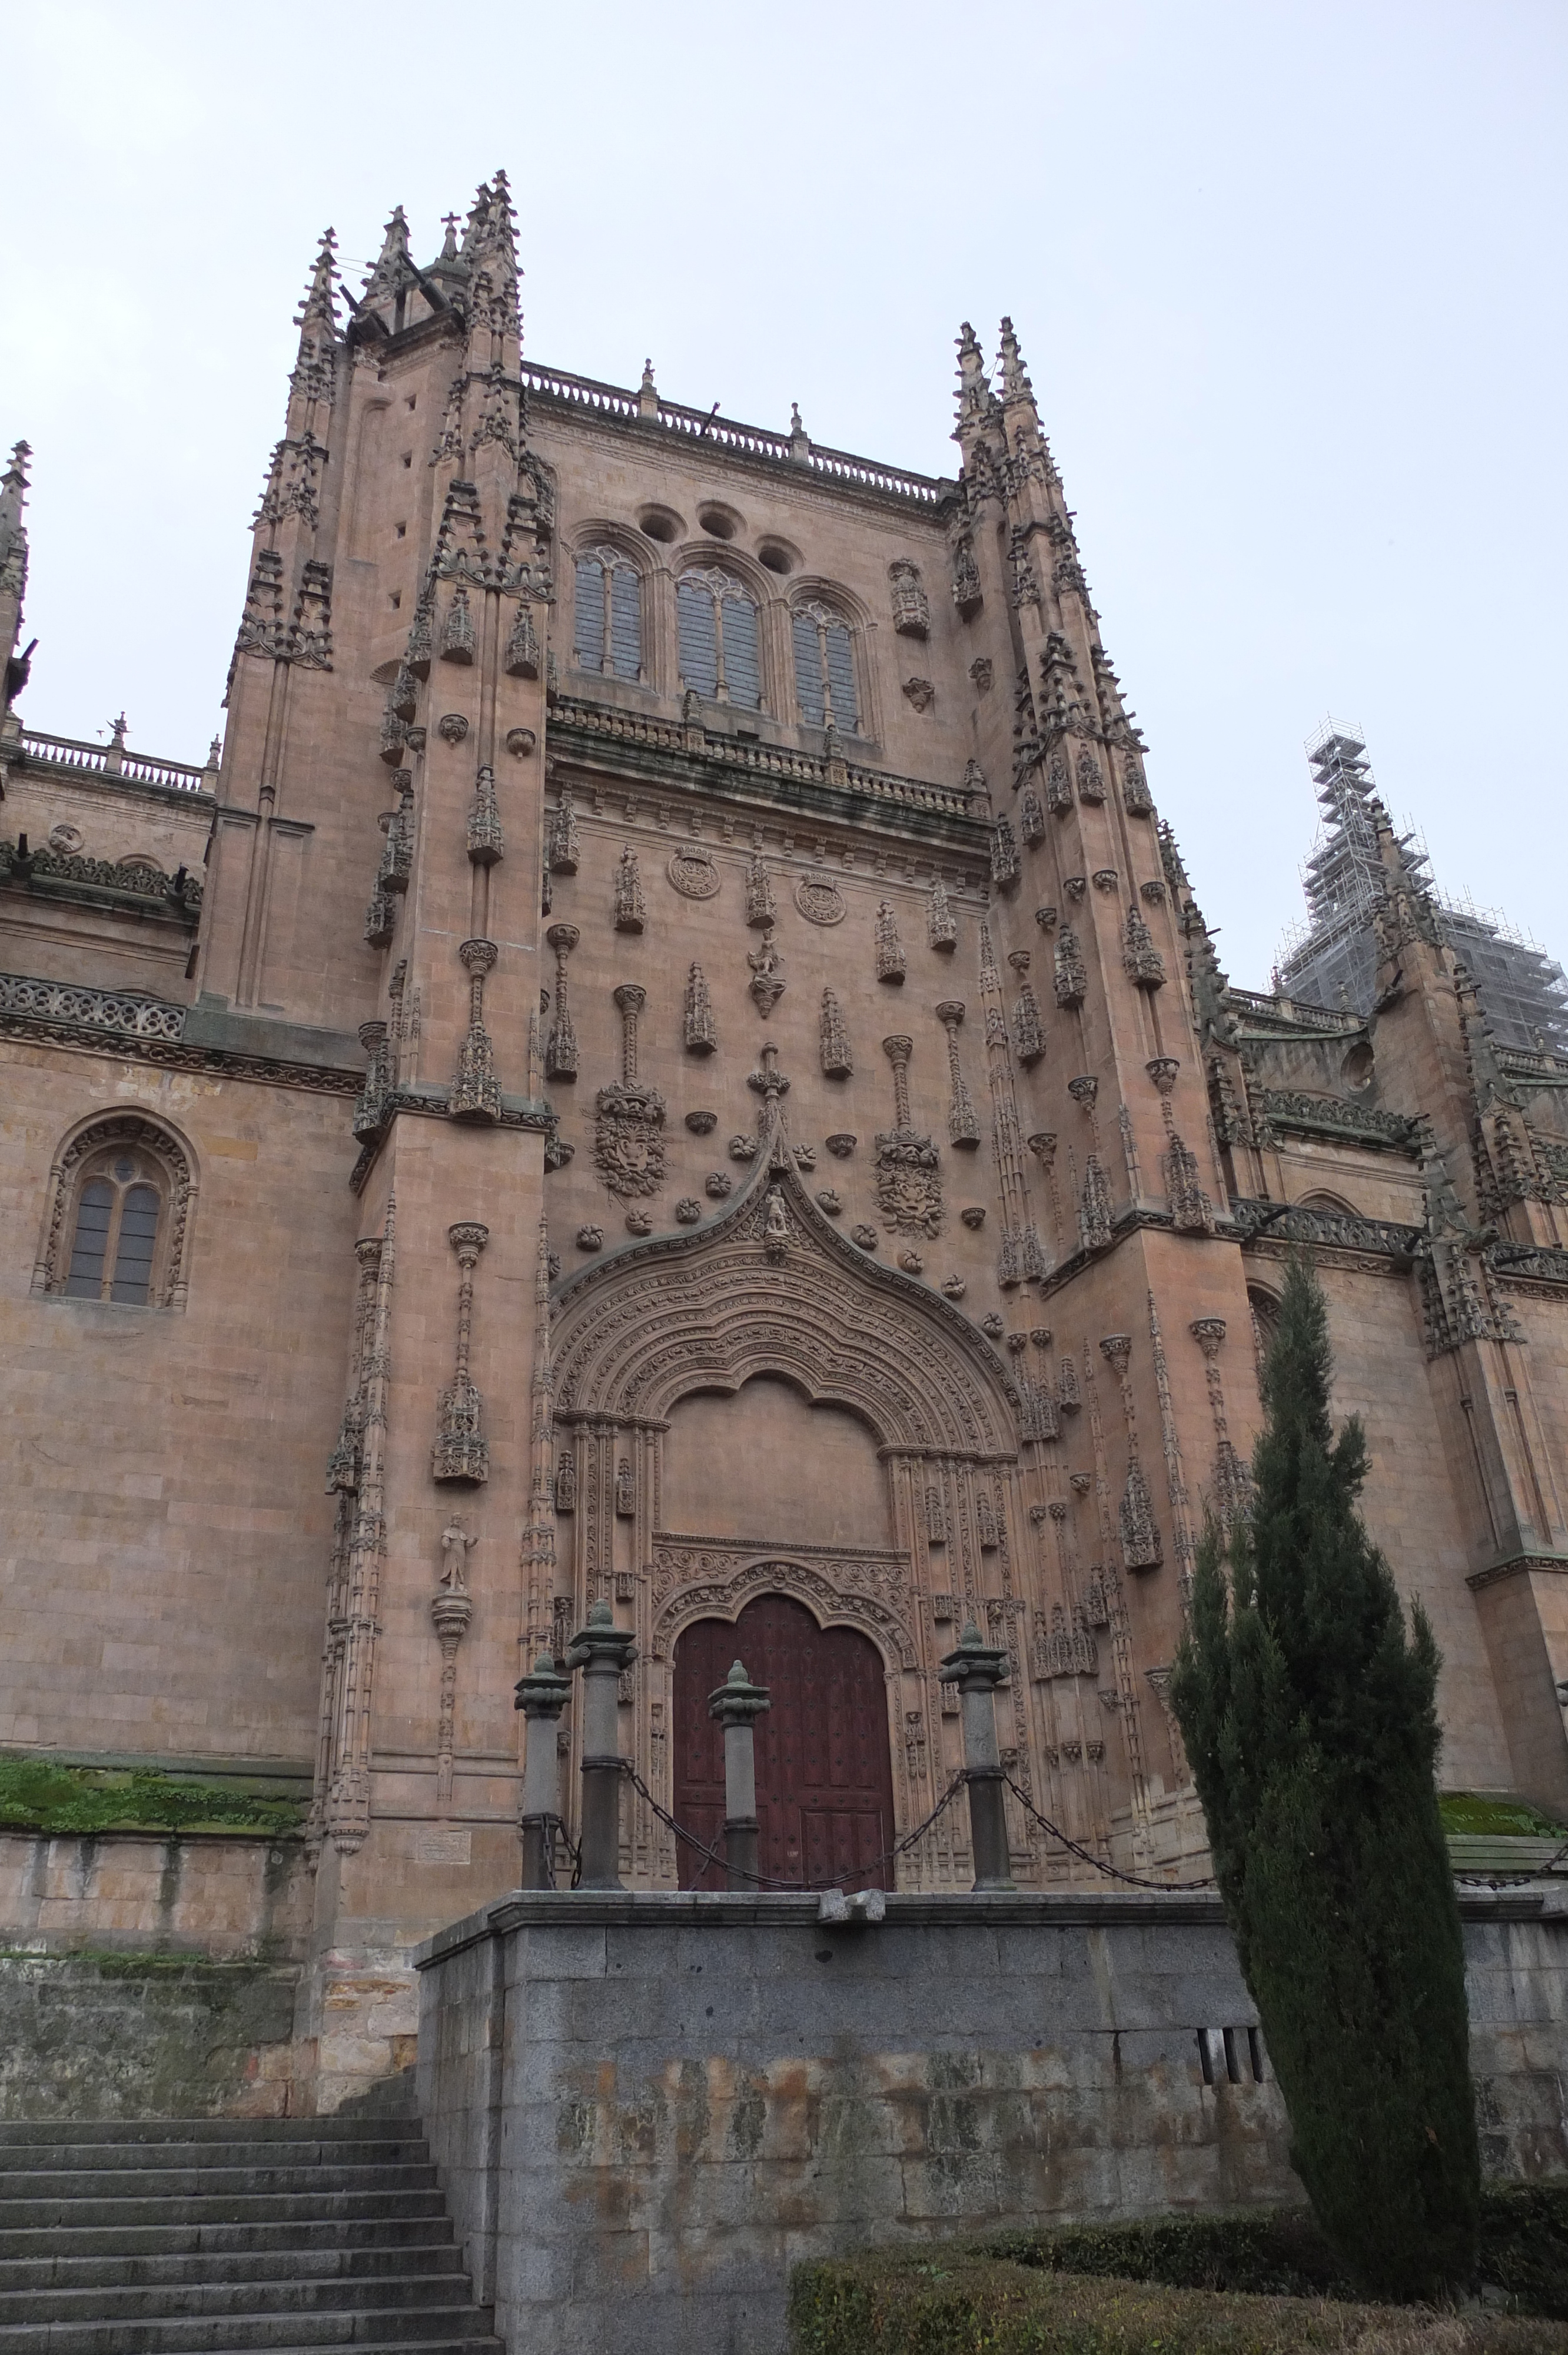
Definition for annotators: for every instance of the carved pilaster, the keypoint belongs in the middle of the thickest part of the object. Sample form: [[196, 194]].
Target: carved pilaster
[[346, 1815], [561, 1047], [460, 1453], [941, 925], [476, 1090], [630, 914], [1231, 1480], [451, 1609], [837, 1061], [486, 843], [963, 1128], [537, 1552], [890, 959], [698, 1030]]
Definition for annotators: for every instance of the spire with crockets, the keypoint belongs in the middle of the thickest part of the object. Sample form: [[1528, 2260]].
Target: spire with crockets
[[13, 571]]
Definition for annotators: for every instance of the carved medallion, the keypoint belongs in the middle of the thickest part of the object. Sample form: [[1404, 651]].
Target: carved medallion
[[820, 903], [694, 874]]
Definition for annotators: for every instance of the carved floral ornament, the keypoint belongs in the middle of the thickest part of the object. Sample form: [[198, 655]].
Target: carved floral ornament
[[135, 1133], [694, 874]]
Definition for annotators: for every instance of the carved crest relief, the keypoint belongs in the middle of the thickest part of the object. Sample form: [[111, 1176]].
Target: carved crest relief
[[694, 874], [629, 1145], [820, 903]]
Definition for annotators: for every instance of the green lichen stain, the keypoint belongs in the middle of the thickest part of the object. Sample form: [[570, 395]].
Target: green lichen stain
[[136, 2035]]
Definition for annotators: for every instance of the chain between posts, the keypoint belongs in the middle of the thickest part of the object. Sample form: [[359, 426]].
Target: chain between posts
[[1114, 1872], [766, 1880]]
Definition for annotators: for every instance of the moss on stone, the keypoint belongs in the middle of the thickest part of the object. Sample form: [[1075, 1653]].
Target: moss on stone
[[39, 1794], [1488, 1816]]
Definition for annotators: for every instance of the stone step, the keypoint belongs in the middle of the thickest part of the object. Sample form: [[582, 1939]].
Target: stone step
[[335, 2129], [291, 2295], [465, 2329], [123, 2269], [226, 2208], [158, 2239], [407, 2149], [181, 2236], [213, 2182]]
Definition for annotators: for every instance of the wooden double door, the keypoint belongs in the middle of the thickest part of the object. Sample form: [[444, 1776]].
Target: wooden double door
[[825, 1772]]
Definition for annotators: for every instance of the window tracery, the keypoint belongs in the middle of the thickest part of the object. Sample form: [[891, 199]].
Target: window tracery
[[825, 686], [607, 629], [720, 655]]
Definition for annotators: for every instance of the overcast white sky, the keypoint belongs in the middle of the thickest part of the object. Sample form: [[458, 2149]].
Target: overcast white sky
[[1287, 275]]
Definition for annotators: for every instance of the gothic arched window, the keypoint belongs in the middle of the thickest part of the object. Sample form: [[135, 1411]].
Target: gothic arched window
[[1264, 1309], [119, 1207], [719, 654], [824, 670], [609, 629], [119, 1217]]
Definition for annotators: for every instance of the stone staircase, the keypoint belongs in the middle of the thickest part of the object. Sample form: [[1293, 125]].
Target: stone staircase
[[189, 2236]]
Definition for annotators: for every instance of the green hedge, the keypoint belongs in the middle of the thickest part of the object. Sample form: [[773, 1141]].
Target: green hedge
[[1252, 2282], [975, 2305], [39, 1796]]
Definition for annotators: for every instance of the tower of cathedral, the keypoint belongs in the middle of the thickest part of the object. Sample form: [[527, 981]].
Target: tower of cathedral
[[669, 1060]]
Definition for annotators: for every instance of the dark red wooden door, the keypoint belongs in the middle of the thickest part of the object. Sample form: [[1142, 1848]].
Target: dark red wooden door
[[824, 1773]]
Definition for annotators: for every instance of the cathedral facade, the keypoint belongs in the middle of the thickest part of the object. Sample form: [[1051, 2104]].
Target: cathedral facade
[[669, 1058]]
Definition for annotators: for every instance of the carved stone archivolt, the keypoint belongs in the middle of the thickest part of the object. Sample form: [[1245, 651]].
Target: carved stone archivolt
[[706, 1582], [709, 1309]]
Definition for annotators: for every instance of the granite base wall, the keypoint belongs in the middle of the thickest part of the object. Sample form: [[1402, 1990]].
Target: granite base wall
[[646, 2107], [151, 1975]]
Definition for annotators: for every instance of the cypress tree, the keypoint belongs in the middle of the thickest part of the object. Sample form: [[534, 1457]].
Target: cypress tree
[[1309, 1715]]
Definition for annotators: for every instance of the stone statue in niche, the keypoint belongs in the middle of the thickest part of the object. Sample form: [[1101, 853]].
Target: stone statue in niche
[[455, 1547]]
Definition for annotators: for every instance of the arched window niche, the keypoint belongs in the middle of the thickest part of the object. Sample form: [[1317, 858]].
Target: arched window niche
[[607, 632], [120, 1197], [826, 689]]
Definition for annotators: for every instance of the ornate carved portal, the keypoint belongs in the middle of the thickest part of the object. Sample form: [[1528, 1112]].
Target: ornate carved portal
[[770, 1288], [824, 1768]]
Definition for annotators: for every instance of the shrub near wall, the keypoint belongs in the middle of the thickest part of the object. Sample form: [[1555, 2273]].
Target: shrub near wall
[[954, 2302]]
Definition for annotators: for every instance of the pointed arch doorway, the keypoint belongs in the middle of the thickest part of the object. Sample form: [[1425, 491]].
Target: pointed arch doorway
[[825, 1769]]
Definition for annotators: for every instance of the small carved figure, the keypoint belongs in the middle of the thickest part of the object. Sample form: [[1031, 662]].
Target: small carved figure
[[455, 1546]]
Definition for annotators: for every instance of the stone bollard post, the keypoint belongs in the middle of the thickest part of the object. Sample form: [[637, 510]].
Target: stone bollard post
[[541, 1696], [601, 1651], [738, 1704], [977, 1669]]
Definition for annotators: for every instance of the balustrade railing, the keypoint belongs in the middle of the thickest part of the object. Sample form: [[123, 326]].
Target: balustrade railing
[[114, 761], [750, 441]]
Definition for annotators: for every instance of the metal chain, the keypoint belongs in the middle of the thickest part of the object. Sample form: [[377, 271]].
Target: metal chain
[[1116, 1874], [766, 1880]]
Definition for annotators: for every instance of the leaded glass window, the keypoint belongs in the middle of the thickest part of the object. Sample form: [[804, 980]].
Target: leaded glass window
[[115, 1237], [609, 625], [720, 656], [824, 670]]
